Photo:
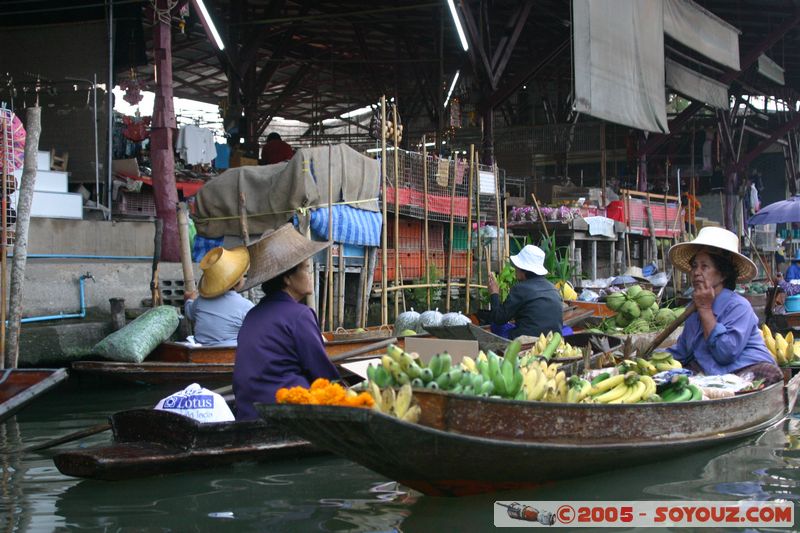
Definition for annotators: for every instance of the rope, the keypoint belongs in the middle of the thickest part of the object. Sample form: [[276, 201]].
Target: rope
[[164, 15], [301, 210]]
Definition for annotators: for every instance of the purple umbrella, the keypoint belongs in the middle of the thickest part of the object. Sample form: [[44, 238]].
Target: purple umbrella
[[778, 213]]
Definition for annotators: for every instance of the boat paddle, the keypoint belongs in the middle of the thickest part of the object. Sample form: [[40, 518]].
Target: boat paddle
[[93, 430], [667, 331]]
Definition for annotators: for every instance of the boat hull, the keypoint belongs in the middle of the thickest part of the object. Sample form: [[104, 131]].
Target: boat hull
[[439, 460], [150, 442], [20, 386]]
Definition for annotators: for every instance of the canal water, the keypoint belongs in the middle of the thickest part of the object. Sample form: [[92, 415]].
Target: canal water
[[328, 493]]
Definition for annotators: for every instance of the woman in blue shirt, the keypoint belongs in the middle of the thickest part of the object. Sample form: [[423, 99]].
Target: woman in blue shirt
[[722, 335], [793, 272]]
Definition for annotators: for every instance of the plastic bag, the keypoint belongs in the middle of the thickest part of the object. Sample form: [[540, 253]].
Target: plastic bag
[[198, 403], [135, 341], [588, 296], [659, 280]]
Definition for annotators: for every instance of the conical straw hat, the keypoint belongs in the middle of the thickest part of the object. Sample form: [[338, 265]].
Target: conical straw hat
[[279, 251], [222, 269], [713, 240]]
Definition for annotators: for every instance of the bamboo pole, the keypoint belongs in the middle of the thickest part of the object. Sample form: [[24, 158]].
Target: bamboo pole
[[433, 286], [362, 289], [397, 280], [12, 356], [478, 217], [471, 173], [328, 303], [541, 217], [497, 221], [341, 285], [627, 208], [450, 244], [425, 208], [384, 259]]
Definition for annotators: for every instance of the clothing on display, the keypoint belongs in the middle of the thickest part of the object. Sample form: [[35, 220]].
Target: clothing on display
[[196, 145], [223, 158]]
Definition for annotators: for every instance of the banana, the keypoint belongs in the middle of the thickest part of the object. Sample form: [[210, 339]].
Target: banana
[[395, 352], [536, 392], [387, 400], [661, 367], [614, 394], [386, 361], [412, 415], [583, 392], [562, 390], [674, 364], [606, 385], [403, 401], [650, 386], [469, 364], [376, 396], [637, 394]]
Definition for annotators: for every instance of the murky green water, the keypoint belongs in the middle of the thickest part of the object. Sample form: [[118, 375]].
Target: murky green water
[[327, 493]]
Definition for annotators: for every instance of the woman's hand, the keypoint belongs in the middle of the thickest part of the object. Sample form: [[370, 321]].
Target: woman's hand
[[491, 284], [704, 295]]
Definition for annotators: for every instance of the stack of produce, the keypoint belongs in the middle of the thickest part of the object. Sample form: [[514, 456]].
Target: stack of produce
[[621, 388], [563, 349], [658, 362], [636, 312], [323, 392], [785, 350], [394, 404], [680, 390]]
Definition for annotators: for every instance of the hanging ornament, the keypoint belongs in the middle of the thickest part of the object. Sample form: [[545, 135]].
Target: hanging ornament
[[136, 128], [133, 89]]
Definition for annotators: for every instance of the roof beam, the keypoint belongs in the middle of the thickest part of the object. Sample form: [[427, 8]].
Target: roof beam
[[748, 158], [290, 88], [509, 41]]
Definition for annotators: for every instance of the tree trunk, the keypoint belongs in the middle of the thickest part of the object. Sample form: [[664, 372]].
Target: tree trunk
[[33, 124]]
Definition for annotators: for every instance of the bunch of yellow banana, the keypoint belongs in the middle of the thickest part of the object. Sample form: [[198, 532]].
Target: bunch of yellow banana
[[544, 382], [638, 365], [468, 364], [397, 405], [622, 388], [783, 349], [564, 349], [577, 389]]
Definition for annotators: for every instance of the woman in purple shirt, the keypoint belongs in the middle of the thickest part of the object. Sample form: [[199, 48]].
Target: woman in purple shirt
[[722, 335], [280, 344]]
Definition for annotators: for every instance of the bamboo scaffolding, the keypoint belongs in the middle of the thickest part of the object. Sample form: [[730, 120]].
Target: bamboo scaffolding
[[450, 244], [425, 228], [397, 280], [433, 286], [469, 225], [384, 259]]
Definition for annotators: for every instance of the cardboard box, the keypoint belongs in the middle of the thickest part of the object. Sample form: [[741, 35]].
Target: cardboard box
[[427, 348]]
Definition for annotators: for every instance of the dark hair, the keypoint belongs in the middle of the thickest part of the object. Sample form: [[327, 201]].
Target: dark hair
[[723, 262], [271, 286], [529, 274], [274, 136]]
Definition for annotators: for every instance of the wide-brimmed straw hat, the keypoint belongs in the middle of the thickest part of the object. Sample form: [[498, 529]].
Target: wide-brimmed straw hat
[[713, 240], [278, 251], [222, 270], [530, 258]]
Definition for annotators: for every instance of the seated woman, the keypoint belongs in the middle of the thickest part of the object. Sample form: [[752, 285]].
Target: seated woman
[[533, 302], [721, 336], [793, 272], [220, 310], [280, 343]]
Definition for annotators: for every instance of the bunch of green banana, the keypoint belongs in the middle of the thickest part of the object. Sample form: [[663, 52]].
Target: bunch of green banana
[[680, 390], [664, 361], [503, 372], [622, 388], [577, 389], [544, 382], [638, 365], [397, 368], [395, 404]]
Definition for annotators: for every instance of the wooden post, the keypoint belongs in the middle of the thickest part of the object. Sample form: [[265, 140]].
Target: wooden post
[[498, 222], [155, 293], [450, 245], [373, 259], [384, 259], [117, 306], [10, 345], [478, 218], [470, 178], [627, 209], [362, 289], [397, 279], [329, 271], [186, 253], [342, 281], [425, 214]]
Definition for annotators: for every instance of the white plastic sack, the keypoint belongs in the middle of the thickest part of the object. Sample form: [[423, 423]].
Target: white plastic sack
[[199, 403]]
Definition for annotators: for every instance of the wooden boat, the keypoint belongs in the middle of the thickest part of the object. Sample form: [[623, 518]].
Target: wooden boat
[[467, 445], [19, 386], [150, 442]]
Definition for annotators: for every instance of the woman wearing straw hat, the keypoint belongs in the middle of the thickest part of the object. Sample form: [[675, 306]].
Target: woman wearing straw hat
[[280, 344], [533, 303], [220, 310], [722, 336]]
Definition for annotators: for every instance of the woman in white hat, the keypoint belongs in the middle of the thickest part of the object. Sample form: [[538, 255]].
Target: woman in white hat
[[280, 343], [722, 336], [220, 310], [533, 303]]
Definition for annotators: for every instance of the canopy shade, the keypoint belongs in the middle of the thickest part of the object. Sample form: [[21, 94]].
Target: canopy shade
[[781, 212]]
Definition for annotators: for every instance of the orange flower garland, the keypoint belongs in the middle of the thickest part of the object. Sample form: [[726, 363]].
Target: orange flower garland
[[323, 392]]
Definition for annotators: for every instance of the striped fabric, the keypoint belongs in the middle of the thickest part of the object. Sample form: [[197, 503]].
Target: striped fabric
[[350, 225]]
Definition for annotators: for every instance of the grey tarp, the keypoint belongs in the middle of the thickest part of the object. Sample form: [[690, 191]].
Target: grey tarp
[[618, 49], [696, 86], [702, 31], [770, 69], [274, 192]]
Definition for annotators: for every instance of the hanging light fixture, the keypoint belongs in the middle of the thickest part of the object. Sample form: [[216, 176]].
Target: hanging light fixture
[[452, 88], [208, 24]]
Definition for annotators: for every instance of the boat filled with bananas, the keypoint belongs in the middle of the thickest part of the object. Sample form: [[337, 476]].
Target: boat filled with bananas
[[539, 423]]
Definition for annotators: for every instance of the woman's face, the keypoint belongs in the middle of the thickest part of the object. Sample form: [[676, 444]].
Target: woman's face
[[703, 269], [299, 283]]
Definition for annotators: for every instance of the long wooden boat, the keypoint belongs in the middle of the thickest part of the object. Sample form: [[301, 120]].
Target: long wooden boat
[[148, 442], [20, 386], [467, 445]]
